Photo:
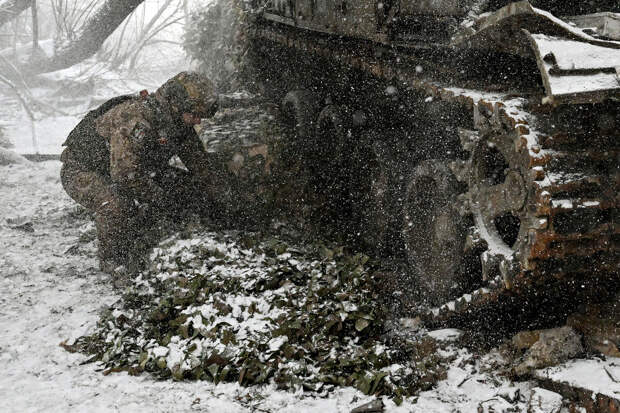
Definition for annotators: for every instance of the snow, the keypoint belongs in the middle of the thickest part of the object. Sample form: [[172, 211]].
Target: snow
[[575, 55], [475, 95], [562, 203], [49, 295], [545, 401], [595, 375], [466, 389], [446, 334], [575, 31], [51, 132], [574, 84], [276, 343]]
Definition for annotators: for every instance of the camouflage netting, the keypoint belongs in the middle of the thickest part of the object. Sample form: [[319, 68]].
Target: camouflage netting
[[257, 309]]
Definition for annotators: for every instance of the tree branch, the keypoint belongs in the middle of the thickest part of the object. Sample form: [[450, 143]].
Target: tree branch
[[10, 9], [94, 32]]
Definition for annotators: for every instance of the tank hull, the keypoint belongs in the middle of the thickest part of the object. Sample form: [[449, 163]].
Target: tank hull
[[548, 221]]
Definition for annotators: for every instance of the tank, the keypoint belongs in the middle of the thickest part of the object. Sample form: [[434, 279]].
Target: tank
[[475, 141]]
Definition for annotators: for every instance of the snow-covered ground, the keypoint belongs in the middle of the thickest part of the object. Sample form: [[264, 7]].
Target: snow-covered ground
[[51, 291]]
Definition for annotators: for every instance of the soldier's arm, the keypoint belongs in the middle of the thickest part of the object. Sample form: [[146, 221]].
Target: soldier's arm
[[194, 156], [126, 140]]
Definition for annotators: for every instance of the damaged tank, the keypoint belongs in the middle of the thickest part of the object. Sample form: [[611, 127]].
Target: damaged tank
[[477, 140]]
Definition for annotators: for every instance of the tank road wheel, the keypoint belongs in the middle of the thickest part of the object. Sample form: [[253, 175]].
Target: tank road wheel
[[434, 231], [300, 109], [375, 208], [331, 162], [497, 198], [333, 132]]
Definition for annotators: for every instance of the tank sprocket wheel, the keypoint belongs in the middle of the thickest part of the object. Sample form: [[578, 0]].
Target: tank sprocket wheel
[[330, 150], [498, 197], [434, 231], [330, 161], [544, 211]]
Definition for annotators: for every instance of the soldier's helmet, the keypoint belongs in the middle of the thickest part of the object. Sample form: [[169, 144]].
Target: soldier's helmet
[[190, 92]]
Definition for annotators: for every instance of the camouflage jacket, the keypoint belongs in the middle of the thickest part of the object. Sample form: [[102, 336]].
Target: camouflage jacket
[[130, 140], [142, 138]]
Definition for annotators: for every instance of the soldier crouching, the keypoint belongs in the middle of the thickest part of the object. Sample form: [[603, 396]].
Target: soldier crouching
[[117, 164]]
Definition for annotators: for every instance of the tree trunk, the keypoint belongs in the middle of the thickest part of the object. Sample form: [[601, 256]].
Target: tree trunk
[[10, 9], [15, 27], [35, 26], [96, 30], [186, 14]]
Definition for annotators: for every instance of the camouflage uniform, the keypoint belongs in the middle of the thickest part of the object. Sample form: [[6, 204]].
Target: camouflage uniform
[[116, 164]]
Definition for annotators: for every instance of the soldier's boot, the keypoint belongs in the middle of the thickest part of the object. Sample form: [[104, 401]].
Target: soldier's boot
[[117, 232]]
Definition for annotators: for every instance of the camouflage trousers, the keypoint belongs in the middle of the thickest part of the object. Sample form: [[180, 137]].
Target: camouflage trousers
[[126, 228]]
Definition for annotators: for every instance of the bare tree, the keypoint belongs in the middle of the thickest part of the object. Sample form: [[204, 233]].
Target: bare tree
[[70, 16], [155, 25], [86, 42], [35, 25], [26, 107], [9, 9]]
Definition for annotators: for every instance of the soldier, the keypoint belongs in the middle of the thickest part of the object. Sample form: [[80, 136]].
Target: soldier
[[117, 164]]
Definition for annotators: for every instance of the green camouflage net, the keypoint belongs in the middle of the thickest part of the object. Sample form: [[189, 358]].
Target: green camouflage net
[[256, 309]]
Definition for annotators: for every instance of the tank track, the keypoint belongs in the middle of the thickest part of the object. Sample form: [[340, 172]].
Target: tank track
[[568, 242], [568, 250]]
